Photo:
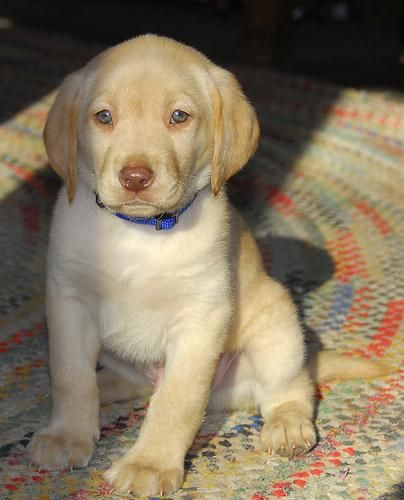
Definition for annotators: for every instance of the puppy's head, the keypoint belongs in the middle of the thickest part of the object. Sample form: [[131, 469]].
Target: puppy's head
[[147, 124]]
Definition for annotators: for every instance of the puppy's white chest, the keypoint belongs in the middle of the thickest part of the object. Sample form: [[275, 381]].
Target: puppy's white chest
[[139, 301], [132, 330]]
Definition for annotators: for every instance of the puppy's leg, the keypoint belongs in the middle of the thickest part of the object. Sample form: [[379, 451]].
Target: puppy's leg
[[115, 387], [238, 388], [284, 391], [288, 419], [70, 437], [288, 428], [120, 381], [155, 465]]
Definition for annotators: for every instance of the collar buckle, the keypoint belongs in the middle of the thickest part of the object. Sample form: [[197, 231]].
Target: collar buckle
[[171, 220]]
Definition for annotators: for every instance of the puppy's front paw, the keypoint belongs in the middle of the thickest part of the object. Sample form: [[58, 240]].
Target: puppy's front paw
[[288, 434], [51, 450], [125, 476]]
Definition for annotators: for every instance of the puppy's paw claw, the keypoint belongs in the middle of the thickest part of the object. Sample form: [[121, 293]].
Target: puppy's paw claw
[[132, 477], [288, 434]]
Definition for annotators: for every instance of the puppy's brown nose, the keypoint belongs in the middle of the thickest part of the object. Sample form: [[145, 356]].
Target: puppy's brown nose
[[135, 178]]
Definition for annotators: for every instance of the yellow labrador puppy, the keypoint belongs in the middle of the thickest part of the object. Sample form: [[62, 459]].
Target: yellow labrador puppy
[[154, 275]]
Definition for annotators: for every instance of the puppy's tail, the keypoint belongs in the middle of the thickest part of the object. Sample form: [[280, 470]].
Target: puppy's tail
[[328, 366]]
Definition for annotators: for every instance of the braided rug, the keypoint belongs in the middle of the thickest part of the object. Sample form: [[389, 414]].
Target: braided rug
[[325, 198]]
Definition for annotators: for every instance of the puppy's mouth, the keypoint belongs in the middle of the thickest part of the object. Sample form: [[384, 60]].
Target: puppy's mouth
[[135, 208], [140, 208]]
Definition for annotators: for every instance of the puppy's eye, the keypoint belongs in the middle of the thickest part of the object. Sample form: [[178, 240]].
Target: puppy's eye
[[104, 116], [179, 116]]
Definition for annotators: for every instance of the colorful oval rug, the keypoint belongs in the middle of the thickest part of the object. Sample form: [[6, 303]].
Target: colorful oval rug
[[325, 198]]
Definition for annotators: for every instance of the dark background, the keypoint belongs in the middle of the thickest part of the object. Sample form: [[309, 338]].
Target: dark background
[[349, 42]]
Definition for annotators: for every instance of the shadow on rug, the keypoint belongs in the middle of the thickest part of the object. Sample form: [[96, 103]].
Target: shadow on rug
[[324, 196]]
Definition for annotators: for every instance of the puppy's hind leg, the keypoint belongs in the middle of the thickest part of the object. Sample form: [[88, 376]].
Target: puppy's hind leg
[[287, 407], [120, 381], [284, 390], [288, 419], [114, 387]]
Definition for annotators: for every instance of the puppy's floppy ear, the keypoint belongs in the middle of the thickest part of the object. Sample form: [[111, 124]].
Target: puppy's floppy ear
[[236, 131], [60, 133]]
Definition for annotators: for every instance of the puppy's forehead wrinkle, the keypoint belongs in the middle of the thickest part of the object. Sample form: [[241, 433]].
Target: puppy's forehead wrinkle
[[142, 80]]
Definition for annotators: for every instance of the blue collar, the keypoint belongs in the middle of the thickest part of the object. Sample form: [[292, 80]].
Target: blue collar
[[160, 222]]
